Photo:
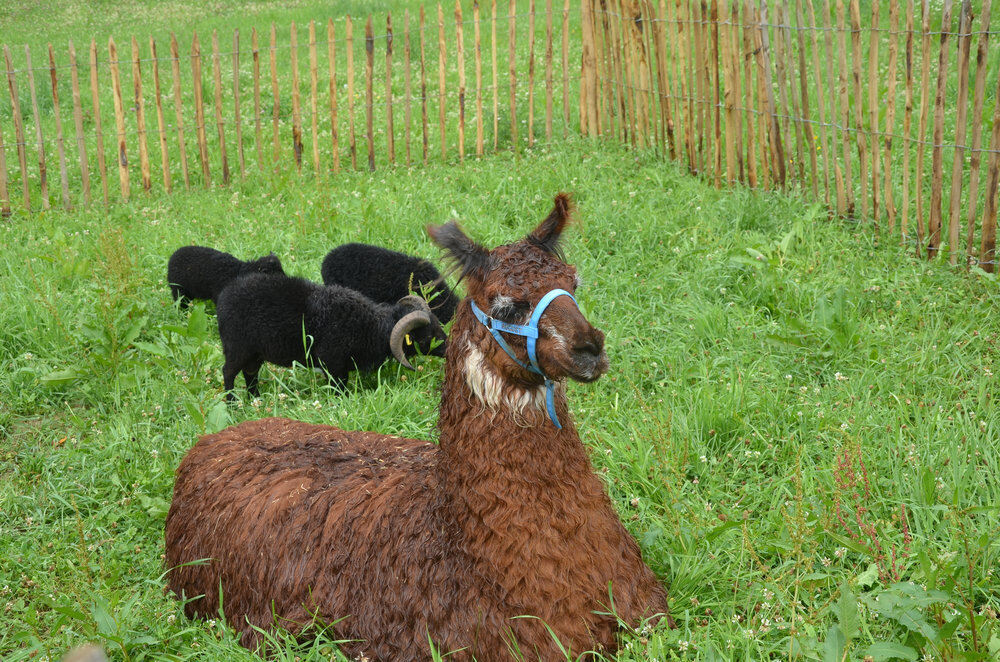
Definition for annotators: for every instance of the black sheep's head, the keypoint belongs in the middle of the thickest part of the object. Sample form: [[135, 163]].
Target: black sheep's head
[[269, 264], [416, 329]]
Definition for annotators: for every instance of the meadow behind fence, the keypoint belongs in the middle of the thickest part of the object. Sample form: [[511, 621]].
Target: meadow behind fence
[[878, 110], [107, 118], [875, 108]]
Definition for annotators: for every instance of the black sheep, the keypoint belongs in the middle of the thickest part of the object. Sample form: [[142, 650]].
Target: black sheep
[[199, 272], [276, 318], [384, 275]]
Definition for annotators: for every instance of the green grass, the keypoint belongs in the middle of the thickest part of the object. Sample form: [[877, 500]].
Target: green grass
[[755, 346]]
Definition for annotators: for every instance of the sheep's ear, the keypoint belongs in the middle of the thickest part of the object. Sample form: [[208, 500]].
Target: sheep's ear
[[547, 234], [472, 258]]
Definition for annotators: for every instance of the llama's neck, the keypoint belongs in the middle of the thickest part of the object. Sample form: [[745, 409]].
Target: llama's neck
[[486, 420], [502, 453]]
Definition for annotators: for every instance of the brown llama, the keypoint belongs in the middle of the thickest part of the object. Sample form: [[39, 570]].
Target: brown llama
[[395, 541]]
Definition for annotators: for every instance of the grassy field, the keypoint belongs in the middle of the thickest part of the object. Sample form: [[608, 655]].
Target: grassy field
[[798, 426]]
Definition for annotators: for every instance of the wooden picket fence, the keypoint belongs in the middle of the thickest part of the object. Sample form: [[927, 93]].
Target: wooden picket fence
[[774, 94], [758, 93], [221, 112]]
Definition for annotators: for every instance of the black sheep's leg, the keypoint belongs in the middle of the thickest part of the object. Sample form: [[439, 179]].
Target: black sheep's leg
[[229, 372], [250, 374], [178, 295], [337, 375], [339, 382]]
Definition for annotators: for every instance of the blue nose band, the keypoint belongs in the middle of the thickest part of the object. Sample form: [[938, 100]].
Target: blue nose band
[[529, 331]]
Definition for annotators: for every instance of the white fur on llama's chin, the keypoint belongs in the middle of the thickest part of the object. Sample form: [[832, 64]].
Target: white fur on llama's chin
[[490, 389]]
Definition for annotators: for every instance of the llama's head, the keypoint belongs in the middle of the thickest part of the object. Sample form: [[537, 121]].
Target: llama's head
[[507, 284]]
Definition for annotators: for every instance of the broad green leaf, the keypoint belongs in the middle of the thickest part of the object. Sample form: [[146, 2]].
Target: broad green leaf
[[195, 413], [868, 577], [844, 541], [928, 486], [890, 650], [134, 329], [833, 648], [218, 417], [847, 611], [721, 529], [106, 624], [151, 348], [62, 377]]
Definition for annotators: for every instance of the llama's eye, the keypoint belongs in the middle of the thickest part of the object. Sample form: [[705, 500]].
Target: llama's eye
[[507, 309]]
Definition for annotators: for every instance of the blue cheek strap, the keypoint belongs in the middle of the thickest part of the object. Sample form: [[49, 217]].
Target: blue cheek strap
[[530, 331]]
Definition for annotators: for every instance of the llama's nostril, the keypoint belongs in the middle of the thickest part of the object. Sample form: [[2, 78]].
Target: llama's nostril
[[591, 344]]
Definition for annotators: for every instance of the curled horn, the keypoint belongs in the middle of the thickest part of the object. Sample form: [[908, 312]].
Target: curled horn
[[414, 300], [406, 323]]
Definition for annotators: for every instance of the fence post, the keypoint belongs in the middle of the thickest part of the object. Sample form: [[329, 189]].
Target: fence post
[[663, 79], [890, 117], [764, 62], [441, 82], [408, 75], [512, 70], [922, 129], [548, 64], [964, 39], [907, 122], [820, 105], [531, 70], [460, 43], [845, 184], [496, 87], [809, 139], [60, 147], [369, 93], [751, 104], [425, 124], [296, 100], [160, 122], [39, 138], [78, 125], [728, 80], [937, 162], [116, 89], [987, 249], [140, 119], [275, 96], [313, 95], [175, 64], [873, 85], [99, 134], [332, 59], [716, 85], [19, 141], [977, 112], [390, 138], [255, 49], [479, 79], [349, 32], [199, 109], [236, 103]]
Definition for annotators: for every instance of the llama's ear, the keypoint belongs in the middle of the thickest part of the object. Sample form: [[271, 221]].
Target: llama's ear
[[470, 257], [548, 231]]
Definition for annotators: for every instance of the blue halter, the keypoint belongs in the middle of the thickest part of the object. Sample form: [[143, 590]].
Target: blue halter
[[530, 331]]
